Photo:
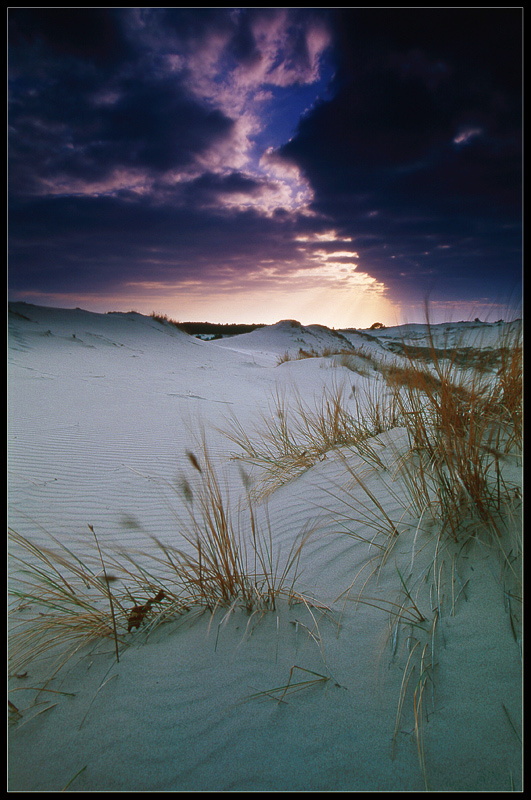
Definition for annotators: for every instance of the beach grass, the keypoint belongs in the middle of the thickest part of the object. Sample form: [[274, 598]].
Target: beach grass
[[63, 601], [463, 424], [293, 436], [226, 556], [348, 357], [460, 409], [279, 693], [461, 476]]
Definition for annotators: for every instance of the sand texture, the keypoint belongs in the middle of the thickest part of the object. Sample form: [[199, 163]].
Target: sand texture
[[392, 662]]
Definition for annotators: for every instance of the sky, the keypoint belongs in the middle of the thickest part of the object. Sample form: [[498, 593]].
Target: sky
[[333, 166]]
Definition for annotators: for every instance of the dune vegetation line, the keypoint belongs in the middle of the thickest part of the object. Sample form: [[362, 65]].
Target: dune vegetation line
[[459, 414]]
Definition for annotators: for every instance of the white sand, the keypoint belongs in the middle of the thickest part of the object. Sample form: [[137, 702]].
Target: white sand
[[102, 409]]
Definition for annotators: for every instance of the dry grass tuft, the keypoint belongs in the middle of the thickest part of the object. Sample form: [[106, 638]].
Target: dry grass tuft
[[63, 602], [291, 438], [461, 472], [464, 424], [349, 356], [220, 565], [458, 475]]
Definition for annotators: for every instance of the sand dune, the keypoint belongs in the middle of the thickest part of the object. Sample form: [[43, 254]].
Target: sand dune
[[103, 413]]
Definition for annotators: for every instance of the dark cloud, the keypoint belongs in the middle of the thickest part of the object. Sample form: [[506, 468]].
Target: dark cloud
[[84, 117], [133, 135], [425, 123], [408, 81], [191, 25], [243, 46], [213, 189], [94, 35], [155, 124], [99, 241]]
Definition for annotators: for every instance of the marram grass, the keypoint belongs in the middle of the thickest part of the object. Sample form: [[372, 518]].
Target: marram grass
[[62, 601], [460, 409], [464, 426], [460, 475], [292, 437]]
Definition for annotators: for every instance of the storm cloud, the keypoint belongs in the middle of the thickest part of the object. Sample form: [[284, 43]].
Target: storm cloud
[[171, 148]]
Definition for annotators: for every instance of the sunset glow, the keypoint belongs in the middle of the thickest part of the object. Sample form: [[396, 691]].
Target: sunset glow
[[332, 166]]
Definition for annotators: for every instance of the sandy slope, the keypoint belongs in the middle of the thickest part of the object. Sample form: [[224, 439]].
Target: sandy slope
[[102, 409]]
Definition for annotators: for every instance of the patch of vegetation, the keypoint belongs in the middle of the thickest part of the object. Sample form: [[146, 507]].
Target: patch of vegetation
[[212, 329], [64, 602]]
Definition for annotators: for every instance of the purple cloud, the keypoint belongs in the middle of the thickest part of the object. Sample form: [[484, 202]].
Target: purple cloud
[[180, 147]]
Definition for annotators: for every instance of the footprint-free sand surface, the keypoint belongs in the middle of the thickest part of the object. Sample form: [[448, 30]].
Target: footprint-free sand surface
[[103, 409]]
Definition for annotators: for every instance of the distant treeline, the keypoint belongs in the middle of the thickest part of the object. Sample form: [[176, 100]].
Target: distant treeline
[[216, 328], [209, 328]]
